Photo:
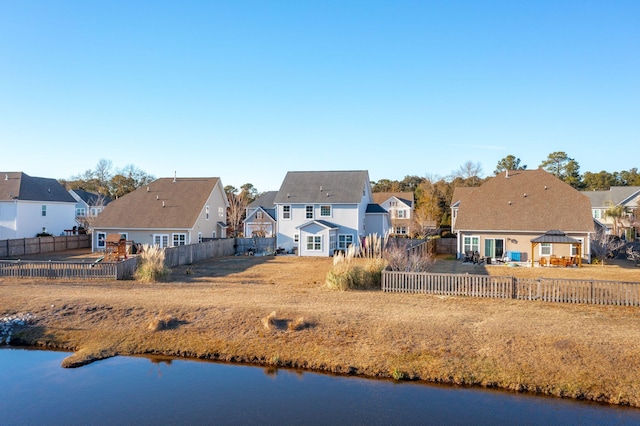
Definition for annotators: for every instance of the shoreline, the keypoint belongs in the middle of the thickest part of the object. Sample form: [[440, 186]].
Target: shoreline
[[222, 311]]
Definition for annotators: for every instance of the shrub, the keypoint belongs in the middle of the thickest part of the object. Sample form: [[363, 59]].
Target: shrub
[[344, 275], [151, 266]]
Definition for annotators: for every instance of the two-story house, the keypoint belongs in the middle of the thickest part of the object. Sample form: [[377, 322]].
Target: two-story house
[[33, 205], [260, 218], [400, 206], [616, 209], [168, 212], [319, 212], [88, 205]]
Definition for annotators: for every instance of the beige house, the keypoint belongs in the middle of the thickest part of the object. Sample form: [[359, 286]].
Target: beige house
[[400, 206], [625, 198], [168, 212], [502, 218]]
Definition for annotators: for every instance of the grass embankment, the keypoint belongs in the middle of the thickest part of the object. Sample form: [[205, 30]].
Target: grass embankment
[[277, 311]]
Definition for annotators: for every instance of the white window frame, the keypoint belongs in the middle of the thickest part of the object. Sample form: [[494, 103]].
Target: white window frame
[[402, 214], [221, 211], [101, 242], [308, 212], [44, 210], [199, 237], [259, 215], [332, 242], [314, 242], [181, 238], [296, 238], [286, 212], [206, 212], [161, 240], [344, 241], [546, 249], [81, 212], [469, 242], [574, 248], [325, 210]]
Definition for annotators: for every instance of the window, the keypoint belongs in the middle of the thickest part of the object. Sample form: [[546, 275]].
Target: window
[[393, 203], [259, 215], [179, 239], [332, 242], [296, 238], [494, 247], [314, 243], [401, 230], [206, 212], [574, 249], [213, 234], [95, 211], [44, 210], [345, 240], [161, 240], [102, 236], [286, 212], [325, 211], [199, 237], [221, 211], [81, 212], [402, 214], [471, 244], [309, 212], [545, 249]]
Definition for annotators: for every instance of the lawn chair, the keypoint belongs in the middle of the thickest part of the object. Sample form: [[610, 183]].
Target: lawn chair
[[468, 256]]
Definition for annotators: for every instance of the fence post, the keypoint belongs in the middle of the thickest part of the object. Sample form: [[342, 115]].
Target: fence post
[[514, 284]]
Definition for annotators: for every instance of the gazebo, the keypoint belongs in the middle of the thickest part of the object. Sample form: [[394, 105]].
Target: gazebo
[[556, 237]]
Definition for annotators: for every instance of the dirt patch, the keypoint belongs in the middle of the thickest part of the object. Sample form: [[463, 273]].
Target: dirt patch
[[218, 309]]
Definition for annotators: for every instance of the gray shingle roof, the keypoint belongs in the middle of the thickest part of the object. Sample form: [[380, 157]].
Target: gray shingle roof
[[265, 201], [614, 196], [323, 187], [91, 198], [21, 186]]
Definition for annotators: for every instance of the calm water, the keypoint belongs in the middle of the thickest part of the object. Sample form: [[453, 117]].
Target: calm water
[[34, 389]]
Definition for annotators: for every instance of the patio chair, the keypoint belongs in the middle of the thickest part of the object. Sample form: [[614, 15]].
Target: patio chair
[[468, 256]]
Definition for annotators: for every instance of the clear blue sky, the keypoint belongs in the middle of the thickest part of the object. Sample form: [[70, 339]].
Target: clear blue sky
[[248, 90]]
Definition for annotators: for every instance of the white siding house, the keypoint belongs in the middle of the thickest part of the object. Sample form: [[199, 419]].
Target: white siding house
[[33, 205], [321, 212]]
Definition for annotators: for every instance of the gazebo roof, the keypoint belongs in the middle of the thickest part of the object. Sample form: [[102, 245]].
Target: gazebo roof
[[555, 236]]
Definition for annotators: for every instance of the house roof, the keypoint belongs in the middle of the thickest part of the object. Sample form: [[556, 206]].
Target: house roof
[[21, 186], [264, 200], [405, 197], [459, 192], [555, 236], [323, 223], [614, 196], [524, 200], [323, 187], [375, 208], [163, 204], [91, 198]]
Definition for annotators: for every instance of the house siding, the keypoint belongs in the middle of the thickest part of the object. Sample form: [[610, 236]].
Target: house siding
[[24, 219]]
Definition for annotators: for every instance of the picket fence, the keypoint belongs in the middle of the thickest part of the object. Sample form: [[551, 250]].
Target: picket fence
[[596, 292]]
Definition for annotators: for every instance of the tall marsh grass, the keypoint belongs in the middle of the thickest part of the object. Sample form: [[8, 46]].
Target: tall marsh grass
[[151, 266], [378, 254]]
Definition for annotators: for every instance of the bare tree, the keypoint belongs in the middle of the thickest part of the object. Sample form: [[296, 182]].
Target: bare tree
[[605, 246]]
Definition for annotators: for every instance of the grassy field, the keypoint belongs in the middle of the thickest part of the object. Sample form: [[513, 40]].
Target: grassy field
[[277, 311]]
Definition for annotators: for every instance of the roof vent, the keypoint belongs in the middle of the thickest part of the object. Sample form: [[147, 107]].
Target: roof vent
[[327, 194], [287, 195], [320, 188], [545, 187], [174, 176], [506, 175], [163, 204], [509, 202], [147, 189], [6, 177], [157, 197], [525, 195]]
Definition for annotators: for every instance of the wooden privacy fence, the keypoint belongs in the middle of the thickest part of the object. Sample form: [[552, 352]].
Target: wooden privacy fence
[[59, 270], [37, 245], [174, 256], [544, 289]]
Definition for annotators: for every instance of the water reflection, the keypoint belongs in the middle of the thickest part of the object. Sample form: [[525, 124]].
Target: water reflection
[[158, 390]]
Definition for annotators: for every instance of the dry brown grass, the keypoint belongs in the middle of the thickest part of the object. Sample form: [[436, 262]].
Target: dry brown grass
[[577, 351]]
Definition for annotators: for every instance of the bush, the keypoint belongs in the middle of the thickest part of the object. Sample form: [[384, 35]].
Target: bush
[[344, 275], [151, 266]]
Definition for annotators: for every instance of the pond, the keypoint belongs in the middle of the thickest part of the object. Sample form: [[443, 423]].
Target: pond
[[34, 389]]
